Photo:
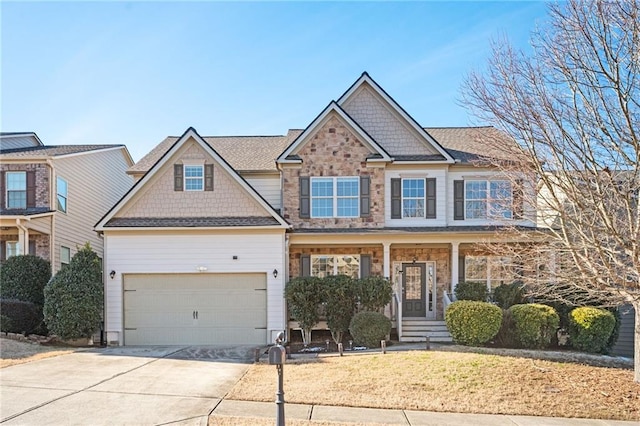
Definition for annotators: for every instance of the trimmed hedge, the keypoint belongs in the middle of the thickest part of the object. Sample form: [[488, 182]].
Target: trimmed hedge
[[24, 277], [74, 297], [535, 325], [369, 328], [21, 317], [590, 328], [473, 323], [472, 290]]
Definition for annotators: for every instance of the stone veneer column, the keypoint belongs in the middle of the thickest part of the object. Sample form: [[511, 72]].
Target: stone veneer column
[[386, 262], [454, 265]]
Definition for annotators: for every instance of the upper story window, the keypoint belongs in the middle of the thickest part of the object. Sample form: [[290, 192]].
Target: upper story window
[[193, 178], [335, 197], [61, 186], [16, 190], [488, 199], [413, 198], [323, 265]]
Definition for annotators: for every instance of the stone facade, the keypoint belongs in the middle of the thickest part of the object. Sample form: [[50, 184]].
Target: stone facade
[[383, 125], [333, 151], [42, 179], [227, 199], [42, 244]]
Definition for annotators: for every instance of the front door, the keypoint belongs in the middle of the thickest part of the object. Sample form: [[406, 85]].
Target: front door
[[418, 290]]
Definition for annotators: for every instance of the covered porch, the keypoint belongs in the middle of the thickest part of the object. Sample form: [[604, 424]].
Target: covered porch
[[26, 234]]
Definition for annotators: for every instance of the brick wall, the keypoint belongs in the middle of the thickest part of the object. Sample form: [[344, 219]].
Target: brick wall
[[42, 179], [333, 151], [42, 244]]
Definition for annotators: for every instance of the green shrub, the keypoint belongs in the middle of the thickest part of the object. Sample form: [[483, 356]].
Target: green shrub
[[24, 277], [373, 293], [21, 317], [535, 324], [340, 305], [5, 324], [507, 295], [590, 328], [74, 297], [304, 296], [369, 328], [472, 290], [472, 322], [506, 337]]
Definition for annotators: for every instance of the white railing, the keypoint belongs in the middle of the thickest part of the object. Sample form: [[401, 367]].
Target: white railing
[[398, 301], [446, 301]]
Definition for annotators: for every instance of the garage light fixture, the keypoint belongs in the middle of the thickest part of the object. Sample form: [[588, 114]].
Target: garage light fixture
[[112, 274], [201, 269], [275, 273]]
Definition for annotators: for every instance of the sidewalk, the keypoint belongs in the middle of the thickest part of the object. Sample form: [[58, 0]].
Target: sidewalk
[[323, 413]]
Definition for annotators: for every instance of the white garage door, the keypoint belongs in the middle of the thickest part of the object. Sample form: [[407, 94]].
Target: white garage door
[[195, 309]]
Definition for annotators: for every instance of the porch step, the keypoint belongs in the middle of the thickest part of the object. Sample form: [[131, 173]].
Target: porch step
[[416, 330]]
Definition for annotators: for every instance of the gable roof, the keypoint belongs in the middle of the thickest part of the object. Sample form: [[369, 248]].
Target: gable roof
[[427, 139], [472, 144], [43, 152], [333, 107], [190, 133], [21, 135]]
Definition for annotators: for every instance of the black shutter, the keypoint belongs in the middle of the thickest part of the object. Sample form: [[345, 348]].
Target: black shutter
[[305, 198], [431, 198], [32, 247], [208, 177], [396, 198], [365, 196], [31, 189], [3, 203], [518, 204], [3, 253], [178, 184], [305, 265], [458, 200], [461, 269], [365, 265]]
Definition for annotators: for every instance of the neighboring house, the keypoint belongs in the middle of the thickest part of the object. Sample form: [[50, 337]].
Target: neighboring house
[[51, 196], [363, 190]]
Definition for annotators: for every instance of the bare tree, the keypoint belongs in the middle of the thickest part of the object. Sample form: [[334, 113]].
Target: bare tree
[[573, 108]]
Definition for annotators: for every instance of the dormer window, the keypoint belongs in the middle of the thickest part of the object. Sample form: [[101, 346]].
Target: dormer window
[[193, 178]]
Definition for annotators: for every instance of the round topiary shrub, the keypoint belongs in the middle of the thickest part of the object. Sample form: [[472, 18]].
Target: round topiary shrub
[[590, 328], [24, 277], [74, 297], [534, 325], [472, 290], [369, 328], [473, 323]]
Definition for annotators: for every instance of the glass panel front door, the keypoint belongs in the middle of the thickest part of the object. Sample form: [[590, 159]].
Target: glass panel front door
[[419, 290]]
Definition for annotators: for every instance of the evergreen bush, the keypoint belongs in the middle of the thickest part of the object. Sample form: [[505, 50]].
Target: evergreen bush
[[472, 290], [21, 317], [507, 295], [535, 325], [369, 328], [590, 328], [304, 296], [340, 304], [472, 322], [373, 293], [24, 277]]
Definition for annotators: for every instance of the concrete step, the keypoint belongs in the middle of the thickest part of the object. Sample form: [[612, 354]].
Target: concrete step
[[428, 327], [435, 339], [422, 321], [423, 333]]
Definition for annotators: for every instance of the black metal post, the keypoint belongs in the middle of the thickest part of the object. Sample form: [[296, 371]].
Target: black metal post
[[280, 397]]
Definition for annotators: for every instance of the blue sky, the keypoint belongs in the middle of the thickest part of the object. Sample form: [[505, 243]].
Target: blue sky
[[135, 72]]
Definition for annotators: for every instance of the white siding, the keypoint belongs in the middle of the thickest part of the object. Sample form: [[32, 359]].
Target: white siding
[[14, 142], [95, 182], [441, 196], [173, 252], [268, 186]]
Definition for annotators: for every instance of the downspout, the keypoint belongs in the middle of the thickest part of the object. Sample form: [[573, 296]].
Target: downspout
[[52, 235]]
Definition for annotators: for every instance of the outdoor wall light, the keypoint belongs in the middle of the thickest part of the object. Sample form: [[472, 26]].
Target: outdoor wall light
[[275, 273], [112, 274]]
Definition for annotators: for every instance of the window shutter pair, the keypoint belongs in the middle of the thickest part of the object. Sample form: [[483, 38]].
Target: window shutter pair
[[365, 265], [178, 177], [305, 196], [458, 200], [396, 198]]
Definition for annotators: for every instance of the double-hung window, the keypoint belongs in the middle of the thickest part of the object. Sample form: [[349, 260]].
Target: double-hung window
[[16, 190], [61, 185], [488, 199], [193, 178], [492, 270], [324, 265], [413, 196], [13, 249], [335, 197]]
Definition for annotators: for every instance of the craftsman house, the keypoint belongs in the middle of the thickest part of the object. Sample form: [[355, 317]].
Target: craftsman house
[[200, 249]]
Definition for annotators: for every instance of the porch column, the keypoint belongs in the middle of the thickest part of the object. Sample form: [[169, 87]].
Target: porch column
[[386, 261], [23, 238], [454, 265]]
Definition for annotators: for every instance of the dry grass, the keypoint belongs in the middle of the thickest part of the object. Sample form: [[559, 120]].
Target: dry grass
[[255, 421], [451, 382], [13, 352]]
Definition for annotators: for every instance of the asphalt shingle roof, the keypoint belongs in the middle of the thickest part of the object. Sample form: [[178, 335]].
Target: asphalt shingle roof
[[50, 151], [24, 212], [190, 222]]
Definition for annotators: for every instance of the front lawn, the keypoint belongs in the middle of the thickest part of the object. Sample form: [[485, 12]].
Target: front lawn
[[453, 382]]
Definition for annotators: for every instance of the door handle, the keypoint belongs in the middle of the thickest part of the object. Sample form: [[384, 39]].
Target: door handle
[[196, 314]]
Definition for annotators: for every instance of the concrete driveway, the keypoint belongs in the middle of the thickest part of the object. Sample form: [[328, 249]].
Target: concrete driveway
[[132, 385]]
